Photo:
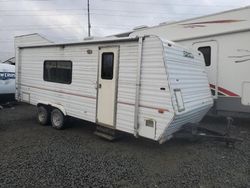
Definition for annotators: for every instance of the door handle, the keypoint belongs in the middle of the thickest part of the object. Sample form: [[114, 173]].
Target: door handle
[[99, 85]]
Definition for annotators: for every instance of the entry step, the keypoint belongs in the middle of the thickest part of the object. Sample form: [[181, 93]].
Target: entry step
[[106, 133]]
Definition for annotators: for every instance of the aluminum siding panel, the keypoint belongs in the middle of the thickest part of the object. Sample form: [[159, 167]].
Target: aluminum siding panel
[[153, 78], [79, 97], [188, 75], [152, 98], [126, 88]]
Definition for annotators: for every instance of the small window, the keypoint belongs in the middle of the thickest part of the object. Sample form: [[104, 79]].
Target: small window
[[57, 71], [107, 65], [206, 51]]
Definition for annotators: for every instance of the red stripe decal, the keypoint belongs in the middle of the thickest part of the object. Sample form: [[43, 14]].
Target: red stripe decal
[[199, 24], [144, 106], [225, 91], [214, 22], [229, 93], [60, 91], [212, 86], [91, 97]]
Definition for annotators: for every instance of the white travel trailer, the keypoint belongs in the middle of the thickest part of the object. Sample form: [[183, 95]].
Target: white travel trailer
[[224, 39], [7, 68], [144, 86], [7, 82]]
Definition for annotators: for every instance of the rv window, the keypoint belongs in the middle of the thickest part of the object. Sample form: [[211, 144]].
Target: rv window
[[57, 71], [107, 65], [206, 51]]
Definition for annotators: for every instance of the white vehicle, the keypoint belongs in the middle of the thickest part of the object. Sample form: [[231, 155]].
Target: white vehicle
[[224, 39], [7, 82], [144, 86]]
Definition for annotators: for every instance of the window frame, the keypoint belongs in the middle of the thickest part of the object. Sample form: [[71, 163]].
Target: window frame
[[56, 81]]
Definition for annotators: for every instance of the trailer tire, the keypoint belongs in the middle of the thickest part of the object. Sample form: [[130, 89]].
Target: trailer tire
[[57, 119], [43, 115]]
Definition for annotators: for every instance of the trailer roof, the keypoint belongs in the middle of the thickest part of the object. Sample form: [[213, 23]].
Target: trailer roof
[[223, 22], [237, 20], [199, 17], [94, 41]]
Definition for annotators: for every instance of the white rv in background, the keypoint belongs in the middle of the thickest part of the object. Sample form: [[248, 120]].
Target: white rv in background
[[7, 82], [224, 39], [140, 85]]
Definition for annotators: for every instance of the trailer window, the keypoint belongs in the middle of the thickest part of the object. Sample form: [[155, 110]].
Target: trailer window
[[57, 71], [107, 66], [206, 51]]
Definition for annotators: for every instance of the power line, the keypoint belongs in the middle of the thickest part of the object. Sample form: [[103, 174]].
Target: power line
[[93, 13], [66, 14], [41, 28], [14, 1], [58, 27], [98, 9], [60, 14], [61, 25], [136, 2], [7, 26], [74, 13], [41, 10], [12, 39], [139, 2], [138, 16], [169, 4], [21, 26]]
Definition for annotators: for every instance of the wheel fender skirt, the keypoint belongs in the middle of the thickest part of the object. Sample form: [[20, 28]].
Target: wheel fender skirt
[[55, 105]]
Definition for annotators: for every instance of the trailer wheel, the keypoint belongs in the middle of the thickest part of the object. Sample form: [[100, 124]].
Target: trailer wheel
[[57, 119], [43, 115]]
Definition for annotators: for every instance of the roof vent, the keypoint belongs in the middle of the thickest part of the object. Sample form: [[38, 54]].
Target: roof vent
[[140, 27], [88, 38]]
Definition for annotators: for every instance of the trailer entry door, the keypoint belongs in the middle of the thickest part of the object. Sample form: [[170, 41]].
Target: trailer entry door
[[209, 49], [107, 85]]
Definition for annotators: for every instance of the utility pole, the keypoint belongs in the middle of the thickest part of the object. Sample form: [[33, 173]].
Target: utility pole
[[89, 26]]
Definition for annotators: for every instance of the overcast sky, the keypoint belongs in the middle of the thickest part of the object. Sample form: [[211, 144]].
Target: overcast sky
[[66, 20]]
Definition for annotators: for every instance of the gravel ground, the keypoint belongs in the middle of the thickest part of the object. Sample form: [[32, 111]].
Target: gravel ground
[[36, 156]]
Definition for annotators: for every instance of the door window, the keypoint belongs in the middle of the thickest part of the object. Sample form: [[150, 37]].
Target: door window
[[107, 65]]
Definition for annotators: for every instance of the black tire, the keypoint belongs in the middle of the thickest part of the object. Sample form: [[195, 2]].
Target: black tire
[[43, 115], [57, 119]]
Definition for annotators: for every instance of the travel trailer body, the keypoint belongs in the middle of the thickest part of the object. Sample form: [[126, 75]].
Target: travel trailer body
[[143, 86], [7, 82], [224, 39]]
